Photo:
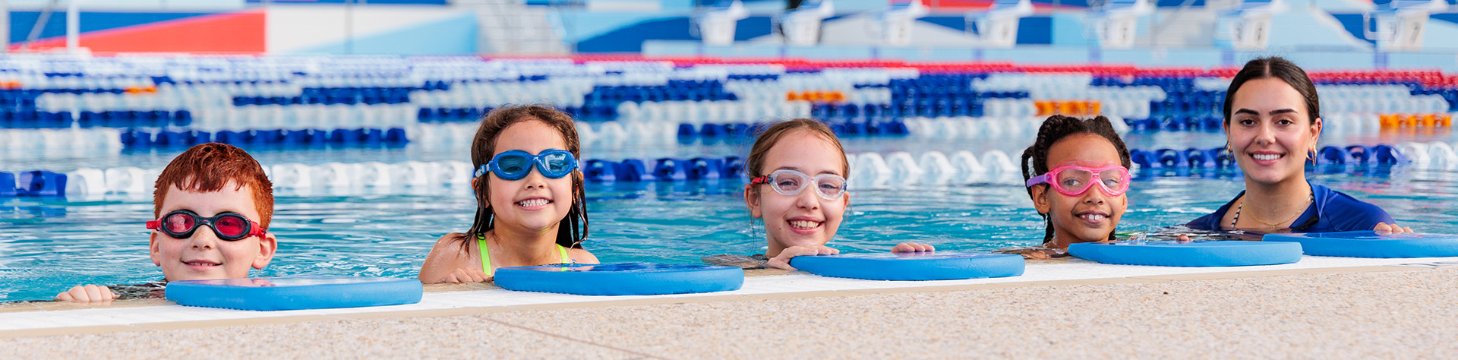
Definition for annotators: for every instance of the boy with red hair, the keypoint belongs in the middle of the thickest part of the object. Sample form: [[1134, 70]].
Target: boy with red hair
[[212, 207]]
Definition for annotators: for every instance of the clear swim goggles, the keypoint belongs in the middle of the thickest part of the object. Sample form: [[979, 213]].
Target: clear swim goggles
[[516, 164], [1075, 180], [791, 182]]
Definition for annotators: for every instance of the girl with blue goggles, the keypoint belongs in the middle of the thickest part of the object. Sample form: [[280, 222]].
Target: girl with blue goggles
[[518, 221]]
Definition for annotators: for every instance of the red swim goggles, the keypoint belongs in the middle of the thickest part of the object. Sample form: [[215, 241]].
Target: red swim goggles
[[228, 226], [1074, 180]]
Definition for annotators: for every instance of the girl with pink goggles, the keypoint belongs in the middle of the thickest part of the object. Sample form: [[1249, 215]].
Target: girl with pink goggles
[[1074, 180]]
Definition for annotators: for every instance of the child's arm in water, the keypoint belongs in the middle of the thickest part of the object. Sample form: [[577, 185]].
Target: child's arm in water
[[88, 294], [782, 261], [449, 262]]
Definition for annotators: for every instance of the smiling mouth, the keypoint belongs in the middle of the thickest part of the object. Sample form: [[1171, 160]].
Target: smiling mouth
[[203, 263], [804, 224], [1266, 156], [529, 203]]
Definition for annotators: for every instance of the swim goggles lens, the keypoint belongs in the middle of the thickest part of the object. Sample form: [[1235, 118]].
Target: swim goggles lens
[[516, 164], [556, 165], [229, 226], [791, 182], [1073, 180]]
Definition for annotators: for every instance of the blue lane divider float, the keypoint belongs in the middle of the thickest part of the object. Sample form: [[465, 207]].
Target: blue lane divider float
[[1191, 254], [667, 169], [434, 115], [730, 168], [620, 279], [41, 183], [142, 139], [911, 266], [1367, 244], [664, 169], [294, 293], [464, 114], [33, 119], [34, 183], [371, 95], [1219, 159], [8, 187]]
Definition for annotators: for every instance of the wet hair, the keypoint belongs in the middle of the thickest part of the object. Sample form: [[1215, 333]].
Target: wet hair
[[573, 228], [1279, 68], [771, 136], [1057, 127], [207, 168]]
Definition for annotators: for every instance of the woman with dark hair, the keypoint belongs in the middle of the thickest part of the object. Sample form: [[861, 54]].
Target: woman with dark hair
[[1272, 123]]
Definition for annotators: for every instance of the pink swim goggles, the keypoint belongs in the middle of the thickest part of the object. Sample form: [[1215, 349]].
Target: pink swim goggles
[[1074, 180]]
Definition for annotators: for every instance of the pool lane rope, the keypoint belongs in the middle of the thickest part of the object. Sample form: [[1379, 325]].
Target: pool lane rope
[[868, 170]]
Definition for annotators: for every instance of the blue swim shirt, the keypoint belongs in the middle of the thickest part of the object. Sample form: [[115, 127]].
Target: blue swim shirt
[[1331, 212]]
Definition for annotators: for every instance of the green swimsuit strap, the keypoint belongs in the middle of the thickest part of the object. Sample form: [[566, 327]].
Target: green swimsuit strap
[[486, 254]]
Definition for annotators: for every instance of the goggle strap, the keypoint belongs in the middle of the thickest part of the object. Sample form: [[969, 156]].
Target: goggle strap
[[154, 224], [1040, 179]]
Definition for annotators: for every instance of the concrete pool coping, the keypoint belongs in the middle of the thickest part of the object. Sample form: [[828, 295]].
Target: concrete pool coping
[[51, 319]]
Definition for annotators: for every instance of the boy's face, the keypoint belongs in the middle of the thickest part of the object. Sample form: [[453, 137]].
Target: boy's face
[[203, 256], [1087, 217]]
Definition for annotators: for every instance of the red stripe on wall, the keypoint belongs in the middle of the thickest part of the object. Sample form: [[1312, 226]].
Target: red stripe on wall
[[229, 33]]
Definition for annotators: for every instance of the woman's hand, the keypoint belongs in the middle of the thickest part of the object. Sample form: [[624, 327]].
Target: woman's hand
[[913, 247], [1389, 229], [782, 261]]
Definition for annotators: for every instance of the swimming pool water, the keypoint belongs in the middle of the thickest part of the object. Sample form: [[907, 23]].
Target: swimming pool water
[[49, 245]]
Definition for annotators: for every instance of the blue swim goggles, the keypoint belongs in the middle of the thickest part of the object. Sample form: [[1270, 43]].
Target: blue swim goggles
[[516, 164]]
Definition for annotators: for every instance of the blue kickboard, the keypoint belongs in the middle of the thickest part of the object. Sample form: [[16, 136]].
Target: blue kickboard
[[1367, 244], [620, 278], [911, 266], [1189, 254], [294, 293]]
